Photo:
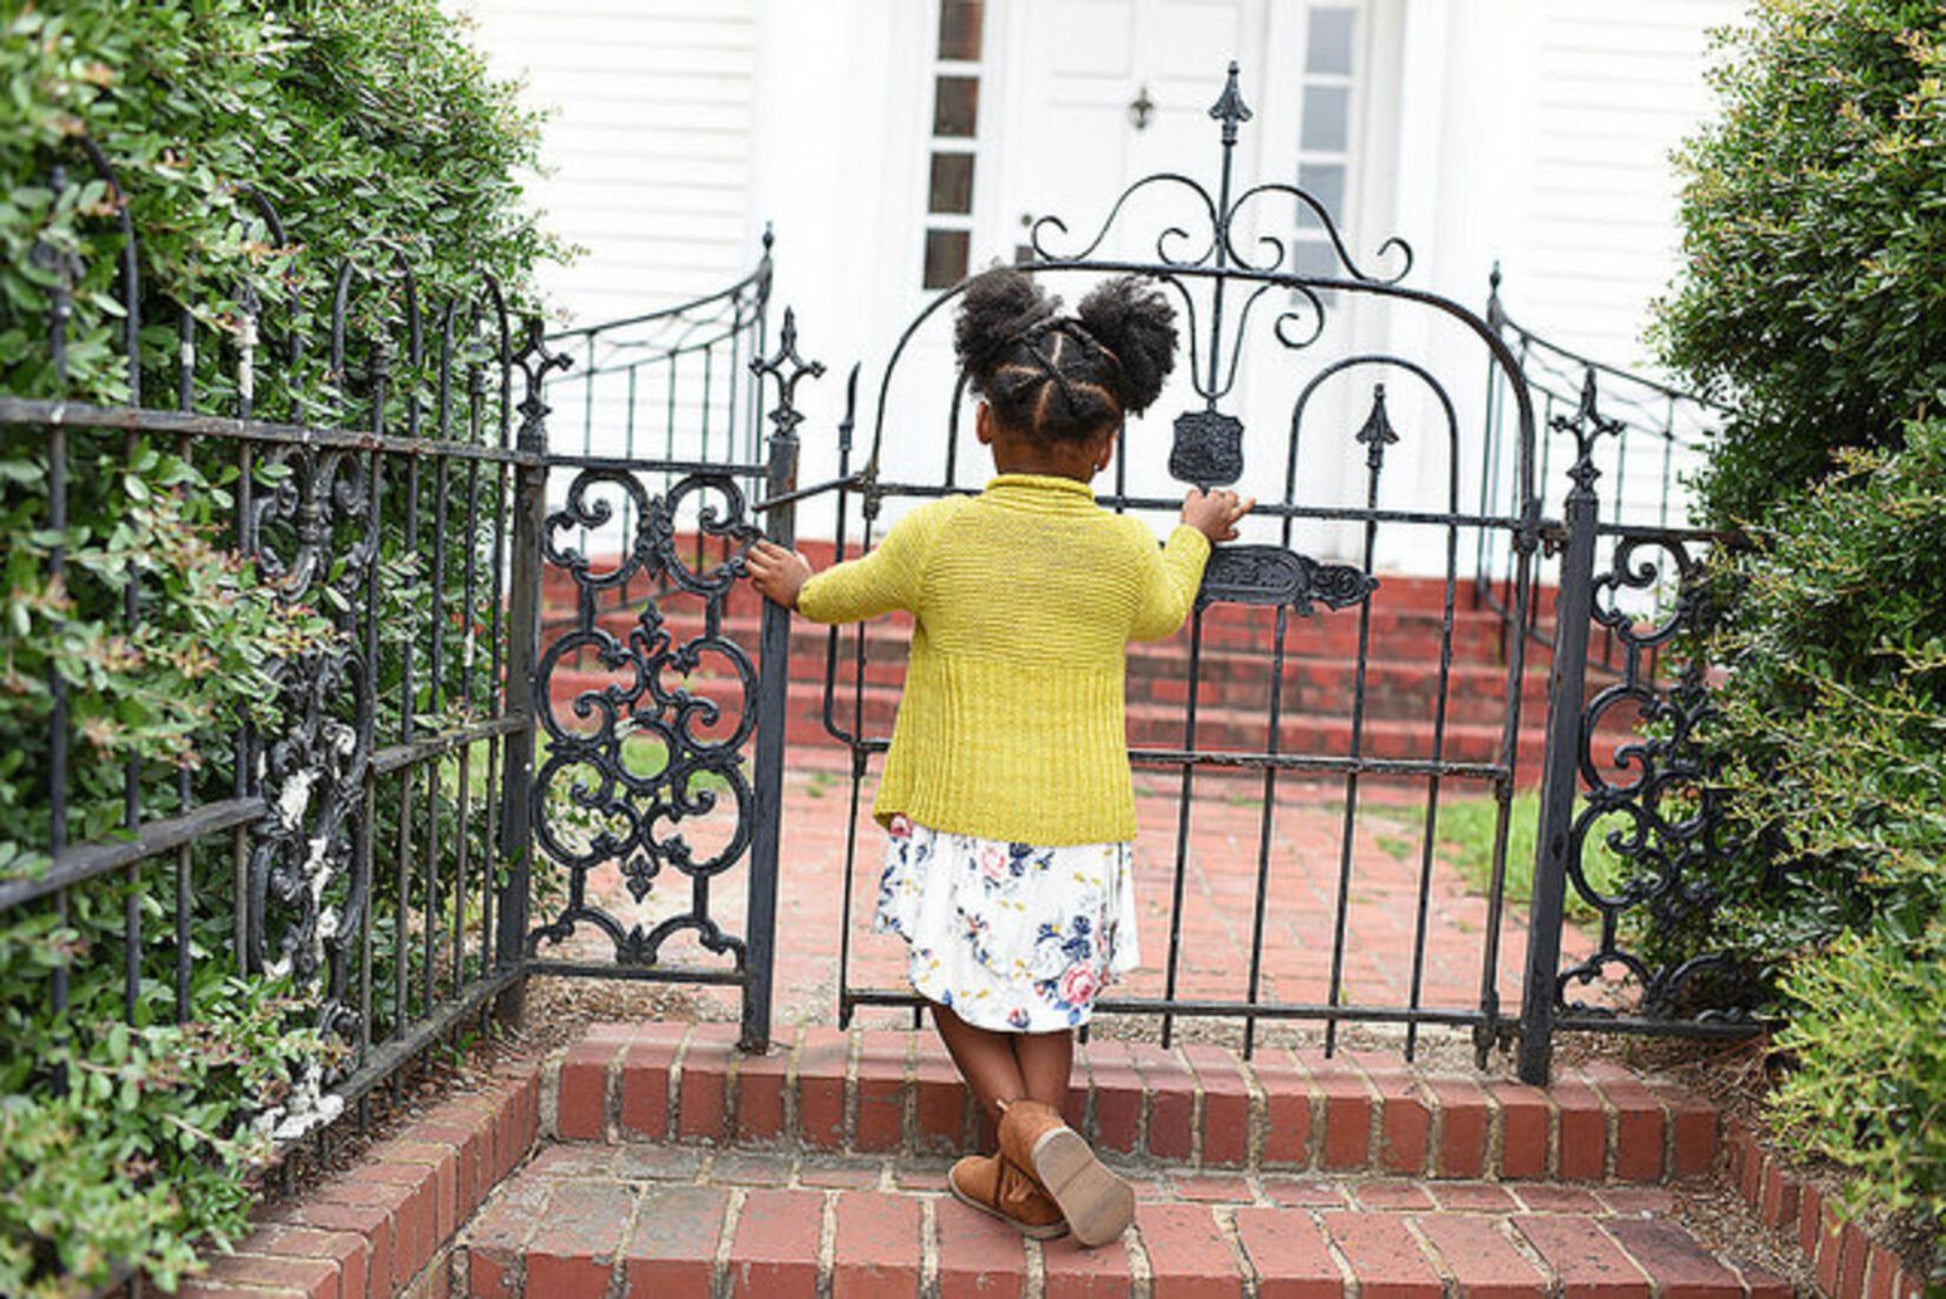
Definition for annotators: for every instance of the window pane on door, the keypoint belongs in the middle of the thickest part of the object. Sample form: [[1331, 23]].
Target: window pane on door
[[947, 252], [1327, 47], [1327, 119], [1325, 182], [952, 183], [959, 30], [956, 106]]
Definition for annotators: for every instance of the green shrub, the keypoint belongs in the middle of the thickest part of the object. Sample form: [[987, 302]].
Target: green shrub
[[376, 135], [1869, 1092], [1812, 296]]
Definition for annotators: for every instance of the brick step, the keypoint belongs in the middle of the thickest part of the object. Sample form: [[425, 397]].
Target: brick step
[[882, 1092], [586, 1222]]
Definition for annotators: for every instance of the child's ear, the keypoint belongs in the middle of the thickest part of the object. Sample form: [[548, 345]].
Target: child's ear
[[983, 424]]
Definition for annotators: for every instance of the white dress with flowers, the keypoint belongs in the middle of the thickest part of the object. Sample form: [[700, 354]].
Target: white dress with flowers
[[1010, 937]]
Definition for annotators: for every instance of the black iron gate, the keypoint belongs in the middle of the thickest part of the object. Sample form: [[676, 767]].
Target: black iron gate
[[655, 718]]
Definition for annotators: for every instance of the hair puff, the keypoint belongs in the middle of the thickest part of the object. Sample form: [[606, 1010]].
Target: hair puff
[[1134, 321], [1000, 307]]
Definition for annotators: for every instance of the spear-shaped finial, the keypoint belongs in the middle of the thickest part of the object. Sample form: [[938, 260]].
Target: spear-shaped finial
[[1229, 107]]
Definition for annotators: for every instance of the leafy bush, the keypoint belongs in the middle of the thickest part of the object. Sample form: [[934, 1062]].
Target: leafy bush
[[375, 134], [1832, 731], [1812, 296]]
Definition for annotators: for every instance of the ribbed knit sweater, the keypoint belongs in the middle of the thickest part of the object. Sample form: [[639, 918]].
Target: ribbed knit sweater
[[1024, 600]]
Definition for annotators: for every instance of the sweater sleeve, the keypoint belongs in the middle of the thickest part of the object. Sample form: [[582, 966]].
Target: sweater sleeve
[[885, 579], [1173, 576]]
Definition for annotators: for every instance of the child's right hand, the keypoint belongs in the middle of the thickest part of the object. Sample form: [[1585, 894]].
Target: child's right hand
[[1215, 514], [778, 574]]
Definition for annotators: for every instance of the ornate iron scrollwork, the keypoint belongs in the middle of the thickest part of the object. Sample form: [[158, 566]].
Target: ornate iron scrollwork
[[652, 752], [1271, 575]]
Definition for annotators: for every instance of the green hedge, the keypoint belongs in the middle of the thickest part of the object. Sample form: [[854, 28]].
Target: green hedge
[[375, 133], [1814, 299]]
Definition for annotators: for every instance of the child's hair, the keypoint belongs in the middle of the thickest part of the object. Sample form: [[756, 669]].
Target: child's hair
[[1063, 378]]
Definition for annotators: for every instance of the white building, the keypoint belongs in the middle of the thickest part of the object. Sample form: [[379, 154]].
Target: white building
[[894, 144]]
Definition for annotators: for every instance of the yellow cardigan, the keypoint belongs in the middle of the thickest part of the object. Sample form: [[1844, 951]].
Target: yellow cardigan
[[1025, 597]]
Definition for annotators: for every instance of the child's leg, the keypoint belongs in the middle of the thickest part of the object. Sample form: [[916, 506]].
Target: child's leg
[[984, 1058], [1045, 1061]]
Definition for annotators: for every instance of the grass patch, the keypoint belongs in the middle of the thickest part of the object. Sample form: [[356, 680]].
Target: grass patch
[[1466, 843]]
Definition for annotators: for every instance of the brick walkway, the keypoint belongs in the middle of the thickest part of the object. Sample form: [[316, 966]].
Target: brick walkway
[[1218, 900]]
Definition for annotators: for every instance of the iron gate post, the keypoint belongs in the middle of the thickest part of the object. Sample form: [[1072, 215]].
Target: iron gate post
[[773, 695], [1560, 770], [523, 651]]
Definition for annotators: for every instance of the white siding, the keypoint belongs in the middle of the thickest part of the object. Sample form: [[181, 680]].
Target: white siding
[[647, 145], [1618, 88]]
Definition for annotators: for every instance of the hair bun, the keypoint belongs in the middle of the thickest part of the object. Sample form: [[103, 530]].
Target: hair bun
[[1134, 321], [1000, 306]]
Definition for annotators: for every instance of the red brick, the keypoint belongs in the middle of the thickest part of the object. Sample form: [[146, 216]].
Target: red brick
[[437, 1165], [1474, 1197], [980, 1257], [1347, 1111], [1187, 1254], [1405, 1121], [574, 1250], [1480, 1258], [1810, 1205], [761, 1087], [1830, 1244], [1546, 1197], [468, 1147], [1225, 1118], [1639, 1143], [1681, 1268], [1759, 1284], [1392, 1195], [1697, 1140], [224, 1290], [316, 1278], [1308, 1193], [1172, 1100], [1076, 1273], [877, 1248], [1118, 1095], [1582, 1132], [1289, 1111], [1383, 1255], [348, 1250], [372, 1223], [409, 1212], [1638, 1201], [1779, 1202], [821, 1064], [1212, 1189], [1524, 1122], [1882, 1274], [775, 1252], [646, 1066], [582, 1113], [1463, 1125], [703, 1097], [941, 1096], [1852, 1254], [417, 1212], [672, 1250], [1289, 1255], [880, 1122], [1750, 1173], [1590, 1265]]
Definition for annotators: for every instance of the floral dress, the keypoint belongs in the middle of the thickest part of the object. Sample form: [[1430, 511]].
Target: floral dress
[[1010, 936]]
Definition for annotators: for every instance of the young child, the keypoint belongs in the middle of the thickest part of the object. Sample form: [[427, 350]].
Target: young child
[[1006, 791]]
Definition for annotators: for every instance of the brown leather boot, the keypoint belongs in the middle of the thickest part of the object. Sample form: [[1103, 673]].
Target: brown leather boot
[[1097, 1204], [992, 1185]]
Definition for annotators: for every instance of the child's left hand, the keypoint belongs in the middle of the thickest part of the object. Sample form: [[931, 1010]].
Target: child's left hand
[[777, 574]]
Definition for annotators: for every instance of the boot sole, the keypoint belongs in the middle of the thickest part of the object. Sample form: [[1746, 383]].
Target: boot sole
[[1097, 1204], [1051, 1231]]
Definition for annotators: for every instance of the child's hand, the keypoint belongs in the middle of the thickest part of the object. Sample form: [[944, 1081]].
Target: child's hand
[[1215, 514], [777, 574]]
